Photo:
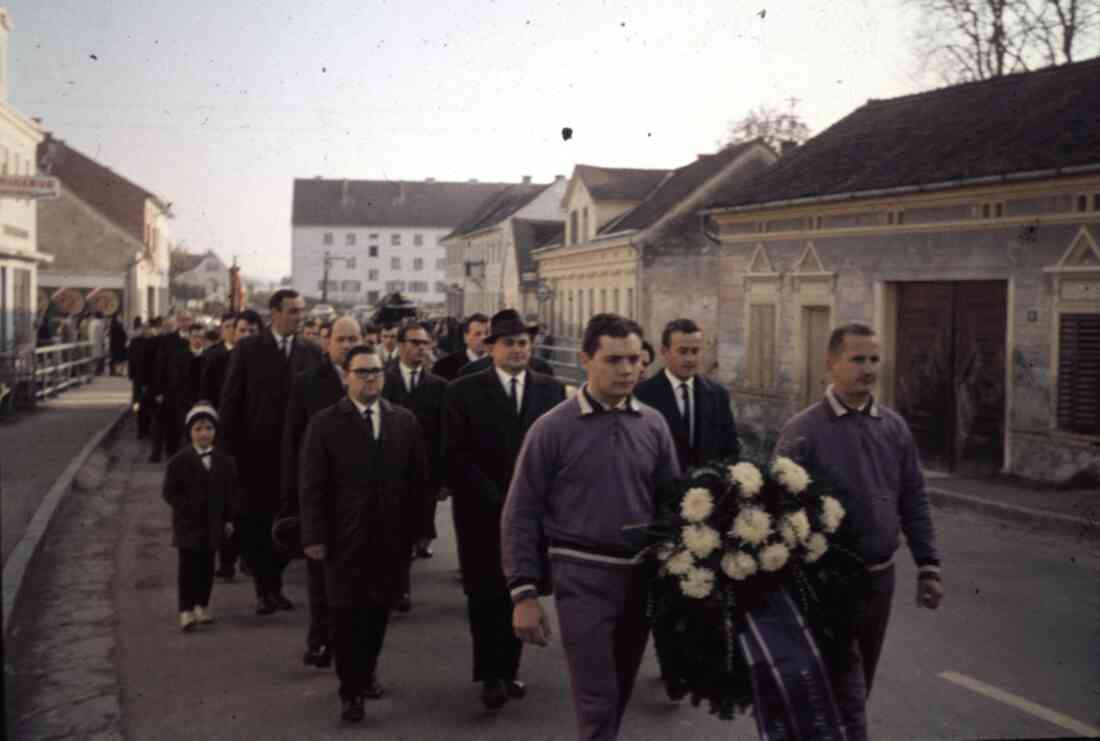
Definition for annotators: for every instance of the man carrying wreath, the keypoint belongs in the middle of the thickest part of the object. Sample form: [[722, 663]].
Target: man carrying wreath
[[589, 467], [870, 452]]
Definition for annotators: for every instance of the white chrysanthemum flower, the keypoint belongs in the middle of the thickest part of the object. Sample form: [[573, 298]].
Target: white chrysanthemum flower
[[698, 583], [774, 557], [799, 523], [753, 525], [748, 479], [816, 547], [570, 391], [697, 504], [832, 514], [787, 533], [701, 540], [738, 565], [791, 475], [680, 563]]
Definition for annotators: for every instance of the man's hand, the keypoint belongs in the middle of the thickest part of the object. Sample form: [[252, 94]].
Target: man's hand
[[315, 552], [529, 622], [159, 398], [929, 593], [228, 529]]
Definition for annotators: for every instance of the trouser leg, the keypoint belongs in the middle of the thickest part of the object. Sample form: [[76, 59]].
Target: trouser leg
[[601, 612], [320, 626], [377, 620], [187, 579], [230, 549], [497, 651], [173, 425], [204, 585], [358, 635], [872, 631], [258, 551]]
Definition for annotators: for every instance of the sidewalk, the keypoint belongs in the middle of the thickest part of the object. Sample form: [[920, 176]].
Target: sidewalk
[[36, 447], [1073, 512]]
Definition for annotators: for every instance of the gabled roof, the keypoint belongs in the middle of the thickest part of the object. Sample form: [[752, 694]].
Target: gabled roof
[[618, 183], [1018, 123], [676, 186], [119, 199], [319, 202], [528, 236], [498, 207]]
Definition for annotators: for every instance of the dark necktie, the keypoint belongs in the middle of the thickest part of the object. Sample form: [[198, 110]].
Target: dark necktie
[[515, 396], [684, 391], [414, 380], [370, 423], [283, 347]]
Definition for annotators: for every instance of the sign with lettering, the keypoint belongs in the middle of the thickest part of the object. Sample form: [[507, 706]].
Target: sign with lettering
[[29, 186]]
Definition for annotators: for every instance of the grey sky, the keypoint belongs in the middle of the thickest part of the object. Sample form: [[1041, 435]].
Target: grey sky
[[218, 106]]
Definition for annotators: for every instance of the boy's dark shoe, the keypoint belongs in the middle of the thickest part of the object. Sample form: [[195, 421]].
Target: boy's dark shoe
[[494, 694], [351, 709], [320, 657], [265, 606], [374, 690]]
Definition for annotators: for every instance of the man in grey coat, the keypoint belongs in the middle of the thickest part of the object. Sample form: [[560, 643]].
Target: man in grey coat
[[870, 451]]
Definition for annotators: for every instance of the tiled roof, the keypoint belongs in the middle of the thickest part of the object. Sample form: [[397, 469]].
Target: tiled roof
[[618, 183], [120, 200], [528, 236], [1018, 123], [498, 207], [319, 202], [676, 186]]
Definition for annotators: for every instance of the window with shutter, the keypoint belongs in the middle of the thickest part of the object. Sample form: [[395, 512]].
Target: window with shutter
[[760, 366], [1079, 373]]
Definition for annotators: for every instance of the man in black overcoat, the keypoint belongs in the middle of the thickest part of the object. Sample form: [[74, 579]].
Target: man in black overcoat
[[215, 361], [253, 411], [486, 417], [473, 336], [699, 416], [310, 393], [410, 385], [363, 470], [172, 386]]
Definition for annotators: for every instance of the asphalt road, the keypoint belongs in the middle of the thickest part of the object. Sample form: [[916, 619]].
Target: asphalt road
[[36, 446], [1012, 653]]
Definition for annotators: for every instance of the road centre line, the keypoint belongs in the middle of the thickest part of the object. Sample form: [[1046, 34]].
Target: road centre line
[[1065, 722]]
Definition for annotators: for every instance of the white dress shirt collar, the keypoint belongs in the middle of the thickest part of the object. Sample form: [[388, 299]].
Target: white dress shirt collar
[[506, 379], [472, 356], [406, 374], [676, 382], [375, 414]]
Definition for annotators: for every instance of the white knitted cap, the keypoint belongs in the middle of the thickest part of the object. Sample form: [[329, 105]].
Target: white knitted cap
[[202, 409]]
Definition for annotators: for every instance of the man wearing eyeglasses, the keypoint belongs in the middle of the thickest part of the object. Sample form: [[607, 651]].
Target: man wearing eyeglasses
[[486, 417], [362, 480], [410, 385]]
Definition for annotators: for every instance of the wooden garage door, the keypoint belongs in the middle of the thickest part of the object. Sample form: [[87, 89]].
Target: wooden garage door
[[951, 370]]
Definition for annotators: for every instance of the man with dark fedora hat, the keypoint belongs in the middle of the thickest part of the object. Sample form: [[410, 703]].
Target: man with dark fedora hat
[[485, 362], [486, 417]]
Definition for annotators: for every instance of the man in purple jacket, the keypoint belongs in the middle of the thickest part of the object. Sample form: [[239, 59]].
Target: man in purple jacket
[[588, 467], [870, 451]]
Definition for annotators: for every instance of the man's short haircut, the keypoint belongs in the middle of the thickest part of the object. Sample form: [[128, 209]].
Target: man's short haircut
[[196, 327], [312, 322], [229, 316], [407, 326], [367, 349], [156, 321], [326, 326], [371, 329], [471, 319], [685, 326], [251, 317], [276, 302], [649, 348], [855, 329], [212, 335], [607, 325]]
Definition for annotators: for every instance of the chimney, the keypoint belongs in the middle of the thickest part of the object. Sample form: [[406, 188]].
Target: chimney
[[786, 147], [526, 179]]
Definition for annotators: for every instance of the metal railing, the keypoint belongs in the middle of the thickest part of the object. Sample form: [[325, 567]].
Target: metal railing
[[57, 367], [564, 359]]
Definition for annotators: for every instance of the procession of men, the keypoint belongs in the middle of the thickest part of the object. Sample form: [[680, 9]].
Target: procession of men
[[347, 437]]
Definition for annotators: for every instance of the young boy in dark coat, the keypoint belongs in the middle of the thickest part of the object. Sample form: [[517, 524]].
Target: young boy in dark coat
[[200, 484]]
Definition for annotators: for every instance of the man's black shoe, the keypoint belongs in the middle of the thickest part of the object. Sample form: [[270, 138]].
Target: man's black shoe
[[424, 551], [676, 688], [320, 657], [516, 689], [154, 458], [352, 709], [494, 694], [374, 690], [281, 601], [265, 606], [405, 603]]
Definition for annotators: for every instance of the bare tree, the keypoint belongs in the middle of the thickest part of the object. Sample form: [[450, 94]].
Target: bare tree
[[965, 40], [769, 123]]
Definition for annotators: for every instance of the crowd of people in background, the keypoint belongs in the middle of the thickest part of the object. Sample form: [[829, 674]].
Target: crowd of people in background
[[336, 440]]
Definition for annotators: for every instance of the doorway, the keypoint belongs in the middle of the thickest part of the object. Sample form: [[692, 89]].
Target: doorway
[[950, 372], [816, 321]]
